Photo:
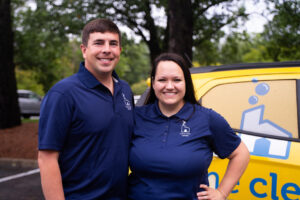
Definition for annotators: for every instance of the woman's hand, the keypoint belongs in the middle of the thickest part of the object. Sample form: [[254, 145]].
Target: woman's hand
[[210, 194]]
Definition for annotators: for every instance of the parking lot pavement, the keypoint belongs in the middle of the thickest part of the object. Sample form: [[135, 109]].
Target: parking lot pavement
[[19, 180]]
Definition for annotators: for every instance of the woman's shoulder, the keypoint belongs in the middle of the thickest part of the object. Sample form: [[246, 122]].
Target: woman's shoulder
[[206, 111], [202, 109], [144, 109]]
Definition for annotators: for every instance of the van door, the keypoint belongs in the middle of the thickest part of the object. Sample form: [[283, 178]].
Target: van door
[[265, 115]]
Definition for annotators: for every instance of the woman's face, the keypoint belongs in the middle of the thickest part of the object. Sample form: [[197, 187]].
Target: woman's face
[[169, 84]]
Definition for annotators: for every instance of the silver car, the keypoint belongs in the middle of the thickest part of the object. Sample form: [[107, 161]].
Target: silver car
[[29, 103]]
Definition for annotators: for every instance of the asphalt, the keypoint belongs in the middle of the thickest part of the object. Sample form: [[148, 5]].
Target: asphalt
[[19, 180]]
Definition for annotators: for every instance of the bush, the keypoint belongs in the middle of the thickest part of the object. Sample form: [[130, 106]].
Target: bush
[[139, 88]]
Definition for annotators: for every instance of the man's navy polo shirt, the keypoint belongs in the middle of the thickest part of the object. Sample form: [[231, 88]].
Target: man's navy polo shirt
[[169, 156], [91, 129]]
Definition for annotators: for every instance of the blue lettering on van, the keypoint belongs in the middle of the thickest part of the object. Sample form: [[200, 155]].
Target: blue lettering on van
[[215, 176], [253, 191], [287, 189]]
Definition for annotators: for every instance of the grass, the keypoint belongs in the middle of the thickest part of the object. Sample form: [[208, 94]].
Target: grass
[[28, 120]]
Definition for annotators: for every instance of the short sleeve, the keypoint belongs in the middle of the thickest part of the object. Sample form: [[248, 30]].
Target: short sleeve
[[224, 140], [55, 120]]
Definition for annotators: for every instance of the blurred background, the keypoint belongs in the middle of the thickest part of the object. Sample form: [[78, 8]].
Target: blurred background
[[39, 39]]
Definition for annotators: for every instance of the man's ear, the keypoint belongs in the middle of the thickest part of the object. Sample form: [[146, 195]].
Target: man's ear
[[83, 50]]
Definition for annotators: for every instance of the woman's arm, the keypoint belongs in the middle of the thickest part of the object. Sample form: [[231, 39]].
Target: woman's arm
[[50, 175], [238, 161]]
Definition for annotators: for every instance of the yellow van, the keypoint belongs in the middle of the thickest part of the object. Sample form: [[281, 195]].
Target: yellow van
[[261, 101]]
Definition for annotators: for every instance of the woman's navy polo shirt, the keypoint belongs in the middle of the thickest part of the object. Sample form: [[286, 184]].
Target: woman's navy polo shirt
[[169, 156], [91, 129]]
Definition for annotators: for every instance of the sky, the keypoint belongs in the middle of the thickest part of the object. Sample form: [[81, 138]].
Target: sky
[[256, 21]]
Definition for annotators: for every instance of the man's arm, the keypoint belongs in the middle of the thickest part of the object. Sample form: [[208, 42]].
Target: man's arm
[[50, 175]]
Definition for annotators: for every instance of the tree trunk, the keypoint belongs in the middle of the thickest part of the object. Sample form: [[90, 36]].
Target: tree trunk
[[153, 42], [9, 108], [180, 21]]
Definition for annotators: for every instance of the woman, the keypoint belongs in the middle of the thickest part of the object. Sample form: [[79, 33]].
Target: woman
[[175, 138]]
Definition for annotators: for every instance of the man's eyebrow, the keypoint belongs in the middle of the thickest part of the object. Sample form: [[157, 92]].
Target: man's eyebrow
[[101, 40], [98, 40], [116, 41]]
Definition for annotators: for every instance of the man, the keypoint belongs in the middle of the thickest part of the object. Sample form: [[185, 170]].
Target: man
[[86, 123]]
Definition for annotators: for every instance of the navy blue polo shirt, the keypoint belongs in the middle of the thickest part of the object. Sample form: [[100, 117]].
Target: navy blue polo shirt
[[169, 156], [91, 129]]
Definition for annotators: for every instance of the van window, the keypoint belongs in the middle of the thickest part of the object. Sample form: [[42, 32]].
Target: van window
[[268, 107]]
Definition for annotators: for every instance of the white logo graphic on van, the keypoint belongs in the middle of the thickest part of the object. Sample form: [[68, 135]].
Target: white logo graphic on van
[[253, 120]]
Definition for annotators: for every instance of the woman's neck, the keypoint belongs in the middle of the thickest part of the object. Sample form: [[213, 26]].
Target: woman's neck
[[169, 110]]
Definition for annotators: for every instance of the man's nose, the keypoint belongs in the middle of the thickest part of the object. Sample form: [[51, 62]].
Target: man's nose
[[106, 48]]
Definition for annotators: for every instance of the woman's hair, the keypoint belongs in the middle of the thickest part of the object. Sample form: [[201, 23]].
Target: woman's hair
[[189, 87]]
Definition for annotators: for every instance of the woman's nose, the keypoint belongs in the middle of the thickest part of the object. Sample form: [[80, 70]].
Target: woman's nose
[[169, 85]]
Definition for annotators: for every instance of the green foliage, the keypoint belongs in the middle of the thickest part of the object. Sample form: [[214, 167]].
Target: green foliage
[[24, 120], [139, 88], [281, 34], [235, 47], [134, 62], [208, 54], [208, 19], [43, 45], [47, 39], [39, 43], [26, 79]]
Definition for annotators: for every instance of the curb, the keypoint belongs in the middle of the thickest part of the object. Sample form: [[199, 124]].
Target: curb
[[18, 163]]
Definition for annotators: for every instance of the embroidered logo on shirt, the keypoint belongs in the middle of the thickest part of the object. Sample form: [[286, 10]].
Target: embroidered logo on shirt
[[126, 102], [185, 130]]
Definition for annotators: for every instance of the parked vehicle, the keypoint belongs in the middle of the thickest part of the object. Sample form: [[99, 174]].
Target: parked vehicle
[[261, 101], [29, 103]]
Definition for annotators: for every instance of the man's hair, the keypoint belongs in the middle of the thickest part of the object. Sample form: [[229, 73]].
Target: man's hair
[[99, 25], [189, 87]]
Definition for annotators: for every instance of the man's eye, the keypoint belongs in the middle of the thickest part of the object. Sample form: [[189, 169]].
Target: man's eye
[[98, 43], [114, 44]]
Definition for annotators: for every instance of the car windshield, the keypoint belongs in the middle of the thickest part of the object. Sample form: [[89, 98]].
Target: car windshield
[[23, 95]]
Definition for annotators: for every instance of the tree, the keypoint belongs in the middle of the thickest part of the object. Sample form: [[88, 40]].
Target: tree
[[281, 34], [9, 109], [41, 43], [180, 24], [189, 22], [134, 62]]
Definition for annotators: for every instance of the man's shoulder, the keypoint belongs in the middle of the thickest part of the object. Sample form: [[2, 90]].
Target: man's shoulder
[[124, 83], [66, 85]]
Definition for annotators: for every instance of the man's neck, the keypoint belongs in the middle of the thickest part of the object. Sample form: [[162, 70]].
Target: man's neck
[[107, 81]]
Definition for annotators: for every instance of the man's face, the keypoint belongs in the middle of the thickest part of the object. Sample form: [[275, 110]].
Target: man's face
[[102, 53]]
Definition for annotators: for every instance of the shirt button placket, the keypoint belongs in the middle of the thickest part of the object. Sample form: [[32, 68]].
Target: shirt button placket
[[165, 135]]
